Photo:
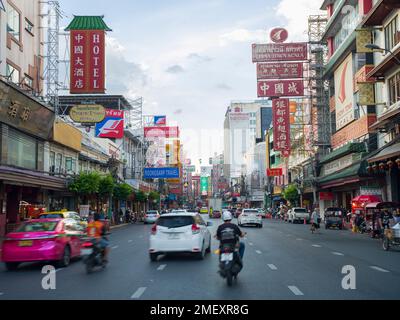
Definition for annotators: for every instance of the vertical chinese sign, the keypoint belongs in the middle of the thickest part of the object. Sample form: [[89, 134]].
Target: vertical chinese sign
[[87, 67], [281, 124]]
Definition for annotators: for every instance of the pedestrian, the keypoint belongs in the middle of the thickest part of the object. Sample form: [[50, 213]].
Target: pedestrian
[[127, 216], [396, 216], [315, 220]]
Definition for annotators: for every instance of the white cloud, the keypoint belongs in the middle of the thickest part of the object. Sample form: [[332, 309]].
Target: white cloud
[[243, 35], [296, 13]]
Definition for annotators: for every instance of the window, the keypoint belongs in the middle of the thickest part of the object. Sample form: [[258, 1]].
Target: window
[[68, 163], [28, 81], [12, 73], [13, 22], [394, 89], [390, 34], [73, 165], [59, 162], [29, 26], [52, 161], [22, 150]]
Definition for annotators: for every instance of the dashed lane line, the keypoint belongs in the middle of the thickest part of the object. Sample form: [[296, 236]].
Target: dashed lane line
[[379, 269], [115, 247], [251, 243], [258, 251], [337, 253], [139, 292], [272, 267], [296, 291], [316, 246], [162, 267], [130, 241]]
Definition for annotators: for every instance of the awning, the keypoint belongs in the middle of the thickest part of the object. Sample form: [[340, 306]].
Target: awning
[[387, 153], [379, 12], [367, 198], [349, 175], [384, 120], [385, 65]]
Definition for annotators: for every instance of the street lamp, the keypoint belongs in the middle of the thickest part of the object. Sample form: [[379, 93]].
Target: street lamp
[[377, 48]]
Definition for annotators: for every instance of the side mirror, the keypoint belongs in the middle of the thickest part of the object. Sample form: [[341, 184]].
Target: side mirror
[[209, 224]]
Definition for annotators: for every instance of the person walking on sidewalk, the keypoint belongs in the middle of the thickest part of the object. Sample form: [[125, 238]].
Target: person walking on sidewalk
[[315, 220]]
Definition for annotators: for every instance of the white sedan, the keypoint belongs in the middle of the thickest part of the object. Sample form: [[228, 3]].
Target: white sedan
[[180, 232], [250, 217]]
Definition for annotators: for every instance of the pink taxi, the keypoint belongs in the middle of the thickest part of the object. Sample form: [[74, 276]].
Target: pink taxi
[[56, 240]]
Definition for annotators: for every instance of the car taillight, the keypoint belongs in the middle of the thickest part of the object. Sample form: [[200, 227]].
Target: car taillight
[[154, 229], [87, 245], [195, 229]]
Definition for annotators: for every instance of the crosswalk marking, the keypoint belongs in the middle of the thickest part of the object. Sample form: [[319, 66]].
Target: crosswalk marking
[[272, 267], [296, 291]]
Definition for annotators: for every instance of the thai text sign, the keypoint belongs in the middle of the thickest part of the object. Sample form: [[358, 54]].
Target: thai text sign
[[87, 113], [161, 132], [289, 70], [281, 124], [341, 163], [161, 173], [271, 52], [87, 71], [280, 88]]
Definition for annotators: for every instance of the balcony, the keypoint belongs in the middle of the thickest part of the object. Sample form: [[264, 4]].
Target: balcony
[[379, 12]]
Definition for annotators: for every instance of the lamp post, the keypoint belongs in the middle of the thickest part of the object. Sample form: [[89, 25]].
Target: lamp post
[[374, 47]]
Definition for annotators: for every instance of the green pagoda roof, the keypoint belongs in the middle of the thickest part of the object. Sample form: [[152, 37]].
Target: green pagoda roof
[[88, 23]]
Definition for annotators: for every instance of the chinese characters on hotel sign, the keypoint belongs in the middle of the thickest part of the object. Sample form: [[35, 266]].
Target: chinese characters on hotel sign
[[287, 70], [280, 88], [281, 124], [87, 61]]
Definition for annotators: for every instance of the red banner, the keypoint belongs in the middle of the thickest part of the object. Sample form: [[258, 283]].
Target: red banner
[[87, 70], [280, 88], [161, 132], [271, 52], [278, 172], [281, 125], [289, 70], [328, 196]]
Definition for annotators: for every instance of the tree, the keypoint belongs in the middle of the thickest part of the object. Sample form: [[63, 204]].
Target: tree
[[122, 191], [86, 185], [140, 196], [291, 194], [106, 188]]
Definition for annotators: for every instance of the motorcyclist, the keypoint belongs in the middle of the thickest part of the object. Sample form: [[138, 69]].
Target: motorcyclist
[[229, 232], [97, 230]]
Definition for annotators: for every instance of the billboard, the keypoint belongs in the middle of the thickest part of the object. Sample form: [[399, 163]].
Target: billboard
[[160, 120], [280, 88], [287, 70], [271, 52], [112, 126], [161, 173], [274, 172], [344, 97], [281, 125], [87, 70], [87, 113], [161, 132], [204, 186]]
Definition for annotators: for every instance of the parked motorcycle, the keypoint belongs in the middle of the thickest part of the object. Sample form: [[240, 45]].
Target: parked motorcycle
[[93, 255], [230, 263]]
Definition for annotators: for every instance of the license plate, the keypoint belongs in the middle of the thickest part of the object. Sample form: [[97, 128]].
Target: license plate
[[173, 236], [226, 257], [86, 252], [26, 243]]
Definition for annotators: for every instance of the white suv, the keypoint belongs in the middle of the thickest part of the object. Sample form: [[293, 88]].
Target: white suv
[[180, 232], [250, 217]]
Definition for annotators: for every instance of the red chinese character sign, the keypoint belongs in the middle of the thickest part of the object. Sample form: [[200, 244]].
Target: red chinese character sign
[[281, 124], [280, 88], [287, 70], [87, 61]]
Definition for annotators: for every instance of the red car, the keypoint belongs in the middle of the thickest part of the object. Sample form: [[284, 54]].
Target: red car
[[56, 240]]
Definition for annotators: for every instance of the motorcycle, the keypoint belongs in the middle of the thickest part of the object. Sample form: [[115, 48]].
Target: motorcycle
[[230, 263], [93, 255]]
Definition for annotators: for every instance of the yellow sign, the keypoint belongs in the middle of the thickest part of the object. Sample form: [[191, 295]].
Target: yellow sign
[[366, 94], [87, 113], [67, 135], [363, 38]]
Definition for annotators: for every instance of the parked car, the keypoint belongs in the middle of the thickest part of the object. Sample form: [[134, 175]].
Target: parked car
[[56, 240], [204, 210], [250, 217], [64, 215], [298, 215], [180, 232], [151, 216]]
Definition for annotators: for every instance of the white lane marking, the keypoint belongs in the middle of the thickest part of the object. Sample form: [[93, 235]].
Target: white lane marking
[[272, 267], [162, 267], [299, 239], [338, 254], [130, 241], [138, 293], [316, 246], [60, 269], [379, 269], [115, 247], [251, 243], [258, 251], [1, 293], [296, 291]]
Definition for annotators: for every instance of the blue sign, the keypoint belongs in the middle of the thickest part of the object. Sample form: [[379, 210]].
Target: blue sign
[[161, 173]]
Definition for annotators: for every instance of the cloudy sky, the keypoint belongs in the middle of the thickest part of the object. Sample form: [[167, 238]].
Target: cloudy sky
[[189, 59]]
